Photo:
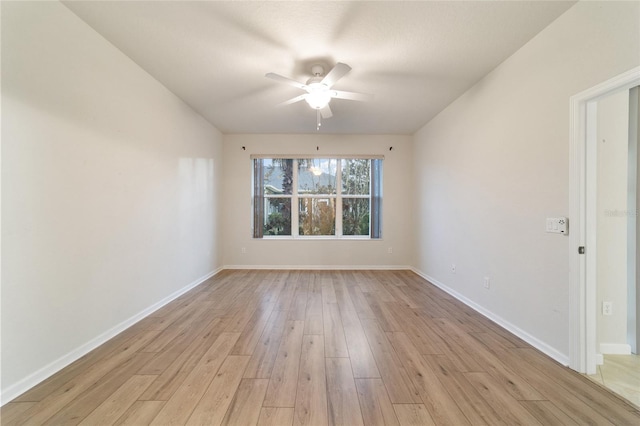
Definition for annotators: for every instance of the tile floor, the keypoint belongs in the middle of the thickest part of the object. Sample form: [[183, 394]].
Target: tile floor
[[621, 374]]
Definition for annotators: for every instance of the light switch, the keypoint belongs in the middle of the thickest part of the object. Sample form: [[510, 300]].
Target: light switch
[[558, 225]]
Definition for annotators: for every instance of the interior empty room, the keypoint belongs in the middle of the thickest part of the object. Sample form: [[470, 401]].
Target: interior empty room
[[279, 213]]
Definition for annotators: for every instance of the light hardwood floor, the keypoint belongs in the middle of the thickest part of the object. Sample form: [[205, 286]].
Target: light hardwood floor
[[317, 348]]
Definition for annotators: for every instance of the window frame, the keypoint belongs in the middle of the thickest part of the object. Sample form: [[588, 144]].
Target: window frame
[[374, 196]]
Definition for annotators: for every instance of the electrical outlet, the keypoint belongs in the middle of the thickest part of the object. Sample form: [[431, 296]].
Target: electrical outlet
[[243, 249], [607, 308], [487, 282], [390, 250], [453, 268]]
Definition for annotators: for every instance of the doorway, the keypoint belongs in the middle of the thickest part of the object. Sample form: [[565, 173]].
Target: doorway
[[615, 167], [584, 303]]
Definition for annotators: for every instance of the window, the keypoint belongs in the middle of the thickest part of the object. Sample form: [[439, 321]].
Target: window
[[306, 197]]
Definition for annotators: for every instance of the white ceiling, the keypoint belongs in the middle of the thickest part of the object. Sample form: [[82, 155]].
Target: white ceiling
[[415, 57]]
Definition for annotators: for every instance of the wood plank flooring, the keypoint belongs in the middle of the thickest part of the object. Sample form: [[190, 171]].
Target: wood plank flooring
[[317, 348]]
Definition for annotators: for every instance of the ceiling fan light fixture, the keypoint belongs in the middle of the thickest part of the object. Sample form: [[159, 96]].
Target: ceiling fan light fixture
[[318, 95], [319, 90]]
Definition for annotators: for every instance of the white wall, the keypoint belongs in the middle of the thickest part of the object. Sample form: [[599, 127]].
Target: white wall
[[611, 219], [110, 186], [494, 164], [397, 204]]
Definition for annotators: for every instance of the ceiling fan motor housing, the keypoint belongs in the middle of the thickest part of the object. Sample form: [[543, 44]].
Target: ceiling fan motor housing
[[317, 70]]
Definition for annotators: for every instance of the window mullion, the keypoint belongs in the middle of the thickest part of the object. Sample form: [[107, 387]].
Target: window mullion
[[295, 209]]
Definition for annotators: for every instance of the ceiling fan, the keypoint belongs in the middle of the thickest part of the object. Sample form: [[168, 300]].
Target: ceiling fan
[[318, 90]]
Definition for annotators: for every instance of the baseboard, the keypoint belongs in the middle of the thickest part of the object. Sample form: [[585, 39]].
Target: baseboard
[[533, 341], [322, 267], [47, 371], [615, 349]]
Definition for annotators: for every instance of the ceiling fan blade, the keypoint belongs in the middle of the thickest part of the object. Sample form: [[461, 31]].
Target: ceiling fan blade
[[326, 112], [286, 80], [292, 100], [336, 74], [352, 96]]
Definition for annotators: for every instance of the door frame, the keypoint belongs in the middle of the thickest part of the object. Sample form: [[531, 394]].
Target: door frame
[[582, 267]]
